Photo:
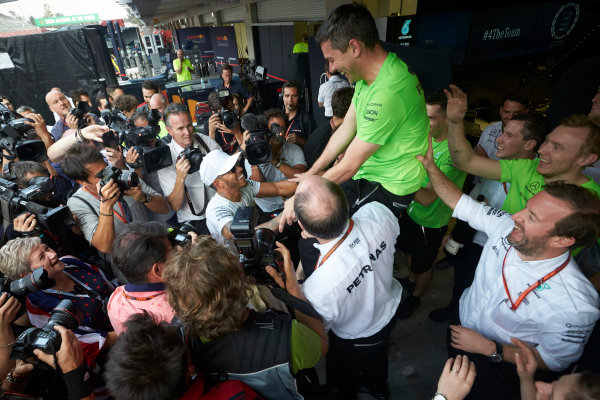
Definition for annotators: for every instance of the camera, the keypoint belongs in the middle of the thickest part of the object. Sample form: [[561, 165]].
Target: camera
[[255, 246], [46, 338], [277, 131], [117, 121], [14, 202], [153, 153], [125, 180], [194, 156], [80, 112], [16, 137], [180, 237], [228, 117], [258, 149], [20, 288]]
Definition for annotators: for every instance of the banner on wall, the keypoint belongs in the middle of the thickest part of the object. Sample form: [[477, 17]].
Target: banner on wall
[[224, 46], [194, 39]]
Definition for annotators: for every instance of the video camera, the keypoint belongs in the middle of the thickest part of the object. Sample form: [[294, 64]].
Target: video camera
[[255, 246], [20, 288], [154, 154], [46, 338], [80, 112], [16, 137], [15, 202], [180, 237], [117, 121], [124, 180]]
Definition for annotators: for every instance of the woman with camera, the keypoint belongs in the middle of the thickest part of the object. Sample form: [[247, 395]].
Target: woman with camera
[[75, 280]]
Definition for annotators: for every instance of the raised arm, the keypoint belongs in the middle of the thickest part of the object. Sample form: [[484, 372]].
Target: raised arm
[[462, 153], [282, 188]]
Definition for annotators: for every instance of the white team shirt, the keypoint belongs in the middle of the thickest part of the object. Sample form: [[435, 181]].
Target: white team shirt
[[220, 210], [488, 137], [556, 317], [193, 182], [327, 90], [495, 194], [354, 291]]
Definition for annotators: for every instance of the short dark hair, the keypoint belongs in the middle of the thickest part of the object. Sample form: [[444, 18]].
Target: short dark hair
[[330, 220], [23, 168], [274, 113], [214, 102], [226, 67], [592, 144], [148, 361], [583, 224], [175, 109], [348, 21], [125, 102], [535, 127], [438, 98], [77, 93], [111, 89], [139, 115], [77, 158], [292, 84], [341, 100], [137, 247], [517, 98], [150, 85]]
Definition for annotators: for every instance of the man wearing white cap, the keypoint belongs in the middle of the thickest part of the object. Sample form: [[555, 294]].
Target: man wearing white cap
[[225, 174]]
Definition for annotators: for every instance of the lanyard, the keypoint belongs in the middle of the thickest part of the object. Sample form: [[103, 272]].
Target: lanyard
[[288, 130], [121, 216], [540, 281], [339, 242], [127, 296]]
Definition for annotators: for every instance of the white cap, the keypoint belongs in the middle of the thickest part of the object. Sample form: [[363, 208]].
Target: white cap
[[216, 163]]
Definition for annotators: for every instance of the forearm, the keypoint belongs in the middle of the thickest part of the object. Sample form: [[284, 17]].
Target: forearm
[[425, 196], [105, 232], [158, 204], [444, 187], [290, 172], [57, 151], [528, 389], [282, 188], [248, 103], [272, 224], [336, 145], [458, 145], [257, 175], [7, 337], [176, 197], [340, 172]]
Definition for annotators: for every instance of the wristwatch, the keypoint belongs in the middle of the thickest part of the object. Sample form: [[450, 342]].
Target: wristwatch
[[148, 199], [439, 396], [498, 355], [278, 164]]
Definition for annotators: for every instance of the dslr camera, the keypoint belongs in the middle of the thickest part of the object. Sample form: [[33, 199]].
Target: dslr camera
[[125, 180], [255, 246], [14, 202], [258, 149], [194, 156], [20, 288], [46, 338], [153, 152], [180, 237], [80, 112]]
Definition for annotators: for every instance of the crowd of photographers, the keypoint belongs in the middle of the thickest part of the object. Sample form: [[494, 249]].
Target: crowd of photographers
[[147, 257]]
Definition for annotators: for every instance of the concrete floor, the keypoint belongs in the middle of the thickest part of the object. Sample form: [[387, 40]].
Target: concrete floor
[[417, 348]]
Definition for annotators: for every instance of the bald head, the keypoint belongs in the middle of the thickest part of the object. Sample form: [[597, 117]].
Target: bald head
[[58, 103], [158, 102], [321, 207]]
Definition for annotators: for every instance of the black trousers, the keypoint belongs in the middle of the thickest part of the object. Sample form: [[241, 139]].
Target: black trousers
[[354, 362], [464, 271]]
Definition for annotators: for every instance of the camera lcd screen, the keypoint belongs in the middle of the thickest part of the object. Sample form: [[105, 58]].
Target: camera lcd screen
[[41, 341], [243, 243]]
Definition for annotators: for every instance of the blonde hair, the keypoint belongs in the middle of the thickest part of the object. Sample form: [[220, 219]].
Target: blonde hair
[[14, 256]]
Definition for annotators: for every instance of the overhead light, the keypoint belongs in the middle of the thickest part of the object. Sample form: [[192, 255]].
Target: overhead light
[[212, 14]]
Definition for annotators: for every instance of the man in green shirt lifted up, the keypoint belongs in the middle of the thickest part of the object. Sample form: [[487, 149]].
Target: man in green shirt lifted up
[[570, 147], [183, 67], [386, 125]]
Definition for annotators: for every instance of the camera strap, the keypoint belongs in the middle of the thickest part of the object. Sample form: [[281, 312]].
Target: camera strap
[[301, 305], [185, 189]]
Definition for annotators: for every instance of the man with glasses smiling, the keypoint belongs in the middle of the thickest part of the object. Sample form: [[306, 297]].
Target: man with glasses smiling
[[225, 174]]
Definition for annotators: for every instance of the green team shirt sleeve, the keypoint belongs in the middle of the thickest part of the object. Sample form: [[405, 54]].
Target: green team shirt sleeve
[[306, 347]]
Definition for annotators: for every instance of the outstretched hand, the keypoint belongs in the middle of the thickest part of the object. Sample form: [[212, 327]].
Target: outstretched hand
[[457, 104], [427, 160], [457, 378]]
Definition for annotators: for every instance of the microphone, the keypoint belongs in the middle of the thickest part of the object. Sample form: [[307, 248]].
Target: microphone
[[250, 122]]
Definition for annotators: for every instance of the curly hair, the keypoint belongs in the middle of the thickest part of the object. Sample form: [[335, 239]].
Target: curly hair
[[14, 256], [208, 289]]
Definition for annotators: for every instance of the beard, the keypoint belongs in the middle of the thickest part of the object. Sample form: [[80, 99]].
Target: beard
[[526, 245]]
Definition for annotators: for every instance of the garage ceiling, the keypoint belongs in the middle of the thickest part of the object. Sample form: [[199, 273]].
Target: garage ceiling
[[165, 10]]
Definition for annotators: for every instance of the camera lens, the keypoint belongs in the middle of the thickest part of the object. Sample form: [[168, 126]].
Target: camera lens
[[65, 314], [129, 180], [33, 282]]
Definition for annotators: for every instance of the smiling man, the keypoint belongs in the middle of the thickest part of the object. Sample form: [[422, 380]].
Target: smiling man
[[568, 149], [386, 124], [527, 285]]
